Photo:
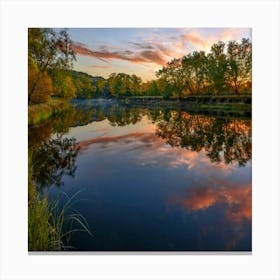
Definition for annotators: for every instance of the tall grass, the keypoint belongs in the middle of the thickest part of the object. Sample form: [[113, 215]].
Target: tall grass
[[50, 227], [42, 236]]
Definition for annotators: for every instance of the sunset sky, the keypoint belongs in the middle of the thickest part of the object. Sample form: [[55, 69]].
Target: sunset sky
[[142, 51]]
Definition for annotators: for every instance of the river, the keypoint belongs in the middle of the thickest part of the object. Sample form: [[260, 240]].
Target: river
[[149, 179]]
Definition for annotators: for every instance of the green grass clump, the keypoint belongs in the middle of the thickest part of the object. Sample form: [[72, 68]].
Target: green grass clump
[[38, 113], [42, 236], [50, 227]]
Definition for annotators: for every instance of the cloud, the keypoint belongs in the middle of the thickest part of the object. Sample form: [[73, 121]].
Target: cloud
[[236, 199], [146, 56], [153, 56], [100, 66], [203, 42], [142, 45], [199, 42], [144, 137]]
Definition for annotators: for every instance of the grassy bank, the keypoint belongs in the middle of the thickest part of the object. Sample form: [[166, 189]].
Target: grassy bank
[[38, 113], [49, 226]]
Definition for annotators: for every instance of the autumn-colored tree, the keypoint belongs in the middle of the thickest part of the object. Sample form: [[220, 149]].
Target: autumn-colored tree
[[43, 89], [121, 84], [47, 51], [62, 83]]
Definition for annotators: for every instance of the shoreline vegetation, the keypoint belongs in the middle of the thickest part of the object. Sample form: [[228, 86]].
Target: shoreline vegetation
[[185, 82], [38, 113], [205, 104]]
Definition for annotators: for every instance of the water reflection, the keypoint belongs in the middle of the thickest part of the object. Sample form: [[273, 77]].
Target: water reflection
[[155, 178], [50, 153], [235, 199], [54, 159], [223, 139]]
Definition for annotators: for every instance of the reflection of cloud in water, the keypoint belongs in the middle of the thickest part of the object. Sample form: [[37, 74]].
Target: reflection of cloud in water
[[108, 139], [150, 149], [236, 199]]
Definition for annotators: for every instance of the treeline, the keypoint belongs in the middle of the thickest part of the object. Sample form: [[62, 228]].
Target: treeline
[[227, 69]]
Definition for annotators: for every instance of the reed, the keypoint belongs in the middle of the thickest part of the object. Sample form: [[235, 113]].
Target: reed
[[50, 227]]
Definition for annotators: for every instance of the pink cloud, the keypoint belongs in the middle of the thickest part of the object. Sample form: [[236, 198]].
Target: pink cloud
[[146, 56], [238, 199]]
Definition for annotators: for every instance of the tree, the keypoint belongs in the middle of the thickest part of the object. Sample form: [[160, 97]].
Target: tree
[[43, 90], [100, 86], [48, 51], [172, 73], [194, 71], [216, 72], [62, 83], [239, 72], [135, 85], [122, 84], [217, 68]]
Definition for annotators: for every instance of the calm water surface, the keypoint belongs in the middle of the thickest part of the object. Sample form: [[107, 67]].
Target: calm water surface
[[150, 179]]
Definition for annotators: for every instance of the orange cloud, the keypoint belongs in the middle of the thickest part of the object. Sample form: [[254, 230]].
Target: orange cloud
[[146, 56], [196, 39], [142, 136], [230, 34], [237, 199]]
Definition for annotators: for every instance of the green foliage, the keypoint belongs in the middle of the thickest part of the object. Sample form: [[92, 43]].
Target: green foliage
[[122, 84], [50, 227], [172, 74], [49, 55], [38, 113], [194, 72], [39, 84], [83, 84], [62, 83], [217, 68], [218, 72], [239, 74], [54, 159], [50, 50], [44, 229]]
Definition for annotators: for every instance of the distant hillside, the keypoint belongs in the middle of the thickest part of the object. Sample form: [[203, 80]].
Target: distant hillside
[[89, 86]]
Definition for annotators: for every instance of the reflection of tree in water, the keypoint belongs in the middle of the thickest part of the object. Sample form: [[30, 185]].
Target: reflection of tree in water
[[54, 159], [223, 139], [51, 158], [227, 140], [122, 116], [115, 113]]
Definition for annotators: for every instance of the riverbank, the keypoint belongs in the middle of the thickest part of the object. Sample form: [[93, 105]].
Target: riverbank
[[222, 106], [199, 99], [38, 113]]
